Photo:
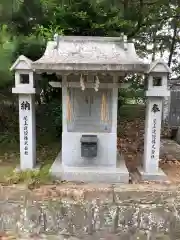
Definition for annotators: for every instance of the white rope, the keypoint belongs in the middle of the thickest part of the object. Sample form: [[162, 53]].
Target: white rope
[[97, 82], [82, 84]]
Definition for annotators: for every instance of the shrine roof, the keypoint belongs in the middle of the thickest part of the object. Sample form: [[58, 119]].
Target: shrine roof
[[69, 53]]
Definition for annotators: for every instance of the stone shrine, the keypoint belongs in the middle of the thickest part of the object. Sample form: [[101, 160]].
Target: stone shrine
[[91, 70]]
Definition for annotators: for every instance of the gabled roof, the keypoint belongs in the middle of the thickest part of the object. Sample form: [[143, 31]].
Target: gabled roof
[[159, 66], [22, 63], [68, 53]]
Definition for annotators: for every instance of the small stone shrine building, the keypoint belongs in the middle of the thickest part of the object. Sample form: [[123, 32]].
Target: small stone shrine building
[[92, 70]]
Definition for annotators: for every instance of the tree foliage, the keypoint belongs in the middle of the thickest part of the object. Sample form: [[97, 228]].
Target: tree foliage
[[29, 24]]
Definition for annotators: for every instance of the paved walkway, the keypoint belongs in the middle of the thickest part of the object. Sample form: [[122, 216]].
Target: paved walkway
[[170, 148], [170, 159]]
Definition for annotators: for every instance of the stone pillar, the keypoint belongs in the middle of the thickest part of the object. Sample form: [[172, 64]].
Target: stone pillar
[[114, 105], [152, 135], [157, 89], [64, 99], [27, 126], [27, 131]]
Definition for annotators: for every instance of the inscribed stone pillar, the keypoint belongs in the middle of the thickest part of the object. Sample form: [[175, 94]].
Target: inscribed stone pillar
[[27, 131], [157, 89], [25, 88], [152, 134]]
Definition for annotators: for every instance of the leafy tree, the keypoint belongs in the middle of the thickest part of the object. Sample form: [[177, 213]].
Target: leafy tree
[[146, 21], [7, 8], [7, 49]]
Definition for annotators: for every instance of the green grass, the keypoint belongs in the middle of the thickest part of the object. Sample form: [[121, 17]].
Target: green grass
[[9, 160], [32, 178]]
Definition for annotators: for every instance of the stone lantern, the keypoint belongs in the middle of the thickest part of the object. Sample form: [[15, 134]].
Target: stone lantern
[[24, 87], [157, 89]]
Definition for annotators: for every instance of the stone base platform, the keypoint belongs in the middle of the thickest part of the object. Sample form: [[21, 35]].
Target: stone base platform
[[94, 174], [154, 176]]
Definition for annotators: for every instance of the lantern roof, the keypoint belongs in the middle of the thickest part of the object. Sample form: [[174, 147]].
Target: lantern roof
[[21, 63], [159, 66]]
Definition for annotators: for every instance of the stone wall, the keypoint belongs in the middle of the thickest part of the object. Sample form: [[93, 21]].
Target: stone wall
[[170, 104], [118, 214], [166, 109]]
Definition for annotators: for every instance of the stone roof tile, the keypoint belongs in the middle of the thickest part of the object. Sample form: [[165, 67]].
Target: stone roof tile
[[90, 53]]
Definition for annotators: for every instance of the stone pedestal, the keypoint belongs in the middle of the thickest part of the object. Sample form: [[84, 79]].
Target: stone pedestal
[[71, 150], [27, 131], [96, 174]]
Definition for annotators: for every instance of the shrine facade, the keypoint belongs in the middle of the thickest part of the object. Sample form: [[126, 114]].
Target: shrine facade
[[91, 70]]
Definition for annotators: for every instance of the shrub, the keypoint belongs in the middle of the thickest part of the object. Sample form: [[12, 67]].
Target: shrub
[[30, 46]]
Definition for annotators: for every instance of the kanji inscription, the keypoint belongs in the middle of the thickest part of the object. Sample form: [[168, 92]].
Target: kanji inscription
[[25, 105], [155, 108], [25, 125], [153, 146]]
